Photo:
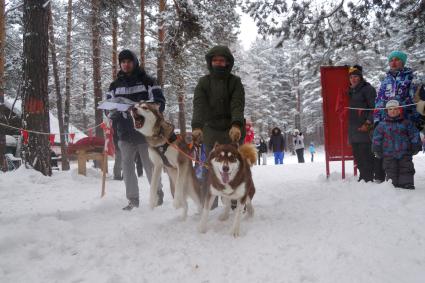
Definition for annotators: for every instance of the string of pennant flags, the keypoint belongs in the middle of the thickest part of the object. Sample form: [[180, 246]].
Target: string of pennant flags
[[25, 132]]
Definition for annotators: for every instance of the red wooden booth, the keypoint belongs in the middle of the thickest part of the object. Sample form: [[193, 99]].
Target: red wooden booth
[[335, 84]]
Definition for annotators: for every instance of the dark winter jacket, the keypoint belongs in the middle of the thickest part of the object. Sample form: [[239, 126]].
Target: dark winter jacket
[[262, 148], [137, 86], [361, 96], [219, 100], [277, 142], [397, 86], [396, 137]]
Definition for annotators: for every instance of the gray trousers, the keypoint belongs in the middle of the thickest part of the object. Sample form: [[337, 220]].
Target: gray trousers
[[118, 162], [128, 153]]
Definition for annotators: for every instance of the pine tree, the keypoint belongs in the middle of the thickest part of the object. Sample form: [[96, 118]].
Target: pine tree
[[68, 63], [62, 128], [3, 165], [96, 59], [35, 106]]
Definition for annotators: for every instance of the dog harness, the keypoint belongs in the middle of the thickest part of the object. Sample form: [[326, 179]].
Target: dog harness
[[163, 148]]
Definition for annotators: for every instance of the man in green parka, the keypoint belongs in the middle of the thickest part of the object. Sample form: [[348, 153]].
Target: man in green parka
[[218, 103]]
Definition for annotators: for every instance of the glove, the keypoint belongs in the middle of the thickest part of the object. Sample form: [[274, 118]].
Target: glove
[[377, 155], [366, 127], [197, 136], [235, 133], [114, 115]]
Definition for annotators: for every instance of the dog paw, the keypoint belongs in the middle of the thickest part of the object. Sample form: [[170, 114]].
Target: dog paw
[[153, 202], [223, 216], [177, 203], [235, 233], [182, 218], [202, 228]]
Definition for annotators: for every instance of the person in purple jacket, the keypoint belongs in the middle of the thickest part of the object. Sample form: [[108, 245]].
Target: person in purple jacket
[[396, 140], [398, 84]]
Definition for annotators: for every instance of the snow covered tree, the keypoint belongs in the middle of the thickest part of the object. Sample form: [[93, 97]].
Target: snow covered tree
[[62, 128], [68, 63], [3, 165], [96, 59]]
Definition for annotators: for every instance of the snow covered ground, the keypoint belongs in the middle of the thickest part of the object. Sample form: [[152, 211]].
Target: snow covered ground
[[305, 229]]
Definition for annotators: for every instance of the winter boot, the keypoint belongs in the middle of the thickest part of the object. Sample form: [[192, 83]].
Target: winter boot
[[215, 203], [131, 204], [160, 198], [408, 187], [118, 178], [234, 204]]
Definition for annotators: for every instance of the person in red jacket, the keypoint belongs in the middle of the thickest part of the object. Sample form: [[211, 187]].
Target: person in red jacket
[[249, 137]]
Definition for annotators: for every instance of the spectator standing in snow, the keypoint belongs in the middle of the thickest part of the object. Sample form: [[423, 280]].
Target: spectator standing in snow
[[396, 140], [312, 151], [277, 145], [133, 83], [397, 85], [361, 95], [249, 136], [262, 151], [298, 142]]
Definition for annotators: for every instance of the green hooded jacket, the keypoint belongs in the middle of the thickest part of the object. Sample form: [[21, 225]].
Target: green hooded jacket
[[219, 100]]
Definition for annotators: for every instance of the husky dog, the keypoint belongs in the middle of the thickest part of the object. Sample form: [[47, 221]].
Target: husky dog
[[165, 149], [229, 176]]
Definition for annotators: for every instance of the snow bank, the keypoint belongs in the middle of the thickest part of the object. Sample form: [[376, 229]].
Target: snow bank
[[305, 229]]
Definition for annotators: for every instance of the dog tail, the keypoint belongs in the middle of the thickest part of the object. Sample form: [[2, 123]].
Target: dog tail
[[249, 153]]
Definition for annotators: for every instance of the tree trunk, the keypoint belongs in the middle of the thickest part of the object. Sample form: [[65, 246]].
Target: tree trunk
[[298, 113], [3, 164], [97, 83], [35, 106], [114, 15], [85, 119], [142, 33], [161, 38], [64, 155], [68, 68], [180, 99]]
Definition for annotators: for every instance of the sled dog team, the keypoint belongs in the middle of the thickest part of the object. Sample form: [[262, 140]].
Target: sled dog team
[[229, 175]]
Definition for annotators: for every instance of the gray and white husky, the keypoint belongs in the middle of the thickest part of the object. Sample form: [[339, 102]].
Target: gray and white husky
[[166, 149]]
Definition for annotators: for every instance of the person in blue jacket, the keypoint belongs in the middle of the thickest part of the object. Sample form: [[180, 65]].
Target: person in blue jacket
[[396, 140], [312, 151]]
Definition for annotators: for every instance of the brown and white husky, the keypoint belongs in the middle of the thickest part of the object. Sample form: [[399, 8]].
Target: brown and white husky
[[165, 149], [229, 176]]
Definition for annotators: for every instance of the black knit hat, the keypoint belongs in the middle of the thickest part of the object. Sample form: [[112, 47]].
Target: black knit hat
[[128, 54], [356, 70]]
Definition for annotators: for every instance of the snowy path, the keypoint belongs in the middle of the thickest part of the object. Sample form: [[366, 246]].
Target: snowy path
[[305, 229]]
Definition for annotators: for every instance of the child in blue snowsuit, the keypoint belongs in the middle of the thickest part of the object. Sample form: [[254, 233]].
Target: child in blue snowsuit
[[312, 151], [396, 140]]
